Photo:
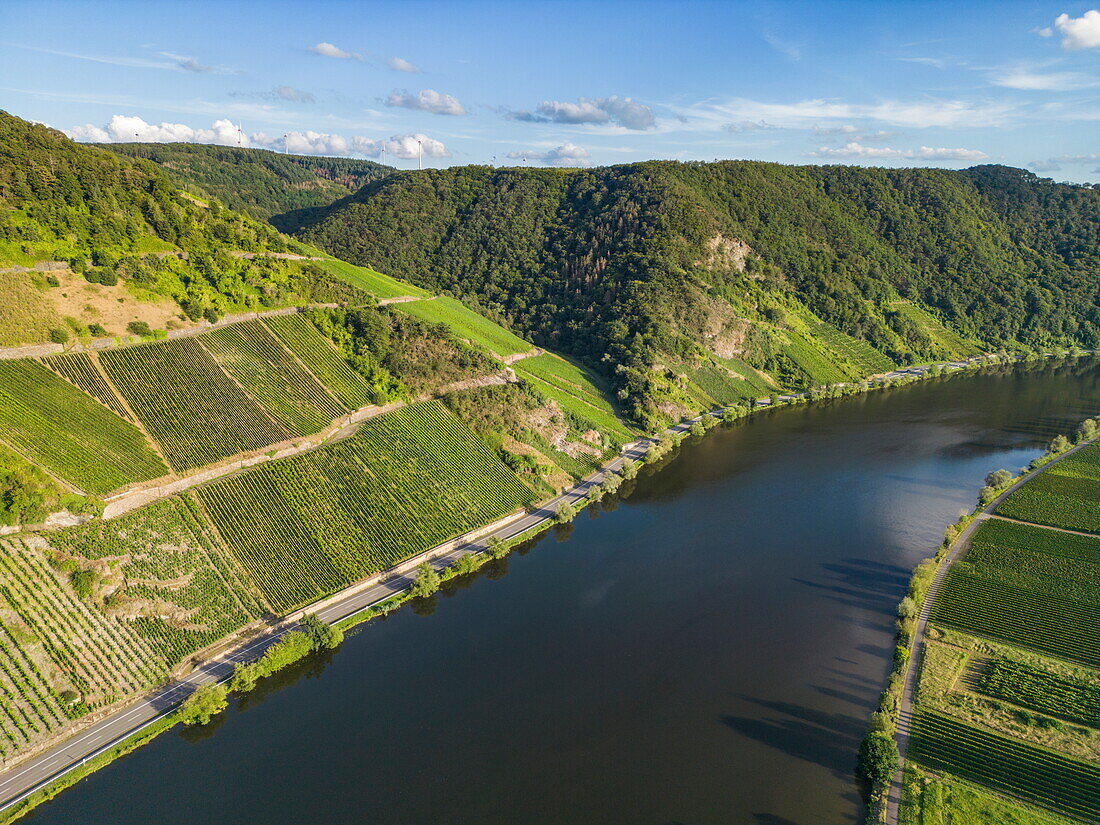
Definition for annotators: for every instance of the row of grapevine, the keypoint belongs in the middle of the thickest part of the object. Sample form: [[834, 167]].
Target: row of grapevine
[[170, 591], [56, 425], [315, 351], [1035, 774], [1026, 618], [80, 369], [406, 481], [271, 375], [196, 412], [101, 659], [29, 706], [1072, 699], [855, 350]]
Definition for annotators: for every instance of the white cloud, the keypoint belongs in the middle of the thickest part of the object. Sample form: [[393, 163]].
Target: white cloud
[[840, 129], [623, 111], [935, 62], [749, 126], [1045, 166], [791, 50], [292, 94], [1055, 164], [329, 50], [1079, 32], [322, 143], [427, 100], [133, 129], [1029, 80], [400, 64], [568, 154], [856, 150], [804, 114]]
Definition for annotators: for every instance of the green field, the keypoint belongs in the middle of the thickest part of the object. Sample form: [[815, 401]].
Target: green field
[[867, 359], [271, 374], [57, 645], [813, 361], [57, 426], [80, 368], [577, 391], [167, 581], [188, 404], [1037, 775], [407, 480], [467, 324], [317, 353], [928, 800], [1067, 494], [379, 285], [952, 344], [1074, 700]]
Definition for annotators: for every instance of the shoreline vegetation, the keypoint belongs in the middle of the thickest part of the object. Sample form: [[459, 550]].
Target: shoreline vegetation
[[894, 784], [210, 699]]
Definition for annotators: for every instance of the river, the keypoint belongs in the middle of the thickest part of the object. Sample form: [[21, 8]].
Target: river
[[703, 650]]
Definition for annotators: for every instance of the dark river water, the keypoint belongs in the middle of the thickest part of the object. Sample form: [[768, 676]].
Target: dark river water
[[705, 650]]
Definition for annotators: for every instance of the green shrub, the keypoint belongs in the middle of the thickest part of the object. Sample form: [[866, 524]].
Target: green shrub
[[878, 757], [139, 328], [205, 703], [426, 582], [59, 336]]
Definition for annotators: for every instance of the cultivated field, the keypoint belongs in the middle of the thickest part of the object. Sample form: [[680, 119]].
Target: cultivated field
[[575, 390], [1067, 495], [467, 324], [409, 479]]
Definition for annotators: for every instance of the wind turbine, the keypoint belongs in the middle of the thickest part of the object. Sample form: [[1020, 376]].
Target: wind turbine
[[420, 155]]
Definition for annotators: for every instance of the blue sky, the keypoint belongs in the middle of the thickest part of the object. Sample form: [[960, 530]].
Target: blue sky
[[573, 83]]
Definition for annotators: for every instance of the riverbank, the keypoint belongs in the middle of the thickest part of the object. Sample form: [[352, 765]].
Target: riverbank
[[894, 717], [681, 430]]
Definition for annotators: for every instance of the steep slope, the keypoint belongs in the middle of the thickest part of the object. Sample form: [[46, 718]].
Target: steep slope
[[91, 242], [257, 182], [659, 273]]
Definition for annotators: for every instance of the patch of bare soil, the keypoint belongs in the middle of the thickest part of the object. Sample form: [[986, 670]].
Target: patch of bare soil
[[112, 307]]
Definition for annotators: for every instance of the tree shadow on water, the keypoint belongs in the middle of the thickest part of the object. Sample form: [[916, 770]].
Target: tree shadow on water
[[863, 584], [821, 738]]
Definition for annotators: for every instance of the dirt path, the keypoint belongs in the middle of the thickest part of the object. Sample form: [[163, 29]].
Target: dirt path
[[912, 674], [1044, 526]]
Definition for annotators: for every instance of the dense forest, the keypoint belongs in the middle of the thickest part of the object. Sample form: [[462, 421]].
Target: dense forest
[[656, 271], [262, 184]]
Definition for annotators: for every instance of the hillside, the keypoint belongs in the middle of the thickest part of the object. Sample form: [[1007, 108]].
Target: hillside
[[256, 182], [682, 282], [92, 243]]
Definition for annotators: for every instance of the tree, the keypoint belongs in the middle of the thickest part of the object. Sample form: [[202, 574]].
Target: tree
[[998, 478], [878, 757], [322, 635], [245, 675], [497, 549], [1089, 429], [1059, 445], [907, 609], [205, 703], [697, 429], [426, 582], [565, 513]]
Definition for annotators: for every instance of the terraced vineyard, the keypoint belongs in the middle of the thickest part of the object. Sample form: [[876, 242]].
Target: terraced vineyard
[[310, 525], [57, 426], [855, 350], [315, 351], [809, 358], [163, 577], [194, 410], [253, 356], [576, 392], [1066, 495], [1035, 774], [467, 324], [379, 285], [80, 369], [953, 344], [61, 656]]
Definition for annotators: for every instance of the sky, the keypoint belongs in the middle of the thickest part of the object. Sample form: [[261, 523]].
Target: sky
[[945, 84]]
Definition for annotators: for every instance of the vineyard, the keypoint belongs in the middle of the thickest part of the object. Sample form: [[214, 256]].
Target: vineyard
[[315, 351], [467, 324], [575, 391], [809, 357], [57, 426], [1065, 495], [951, 343], [60, 652], [379, 285], [1075, 700], [1037, 775], [80, 369], [193, 409], [256, 359], [856, 351], [406, 481], [162, 576]]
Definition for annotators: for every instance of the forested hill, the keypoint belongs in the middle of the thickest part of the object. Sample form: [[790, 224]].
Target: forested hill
[[92, 242], [257, 182], [670, 275]]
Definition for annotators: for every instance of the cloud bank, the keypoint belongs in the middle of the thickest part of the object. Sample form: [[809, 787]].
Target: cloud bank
[[568, 154], [329, 50], [621, 111], [856, 150], [427, 100]]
